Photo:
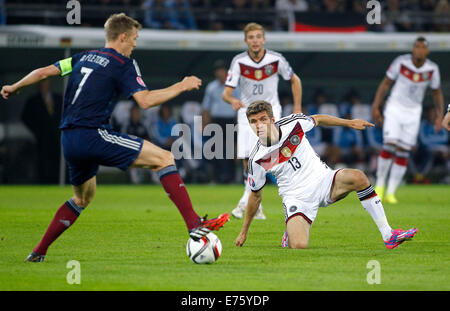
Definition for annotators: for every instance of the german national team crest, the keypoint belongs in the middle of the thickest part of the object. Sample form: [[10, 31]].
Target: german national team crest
[[295, 140], [416, 77], [268, 70], [258, 74], [286, 152]]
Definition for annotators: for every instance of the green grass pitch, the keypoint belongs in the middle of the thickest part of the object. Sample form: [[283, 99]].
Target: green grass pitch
[[133, 238]]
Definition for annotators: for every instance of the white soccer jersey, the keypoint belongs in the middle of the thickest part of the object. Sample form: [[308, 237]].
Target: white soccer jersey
[[294, 163], [411, 82], [258, 80]]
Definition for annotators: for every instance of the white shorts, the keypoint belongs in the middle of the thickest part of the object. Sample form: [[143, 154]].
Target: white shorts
[[246, 138], [308, 207], [400, 127]]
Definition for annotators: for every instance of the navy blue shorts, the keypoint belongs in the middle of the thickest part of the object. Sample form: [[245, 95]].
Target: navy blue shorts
[[85, 149]]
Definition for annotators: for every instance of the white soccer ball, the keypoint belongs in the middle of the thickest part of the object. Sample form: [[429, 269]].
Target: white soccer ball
[[205, 250]]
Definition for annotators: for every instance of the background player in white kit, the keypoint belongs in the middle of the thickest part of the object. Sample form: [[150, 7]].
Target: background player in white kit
[[412, 74], [304, 181], [446, 120], [256, 71]]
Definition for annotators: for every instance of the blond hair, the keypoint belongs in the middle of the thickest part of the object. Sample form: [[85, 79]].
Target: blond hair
[[259, 106], [253, 26], [119, 23]]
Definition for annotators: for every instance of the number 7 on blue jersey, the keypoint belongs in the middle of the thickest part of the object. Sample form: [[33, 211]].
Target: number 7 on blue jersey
[[86, 72]]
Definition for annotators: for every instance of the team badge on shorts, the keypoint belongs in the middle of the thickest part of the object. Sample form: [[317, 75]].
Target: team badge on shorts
[[293, 208], [286, 152], [295, 140]]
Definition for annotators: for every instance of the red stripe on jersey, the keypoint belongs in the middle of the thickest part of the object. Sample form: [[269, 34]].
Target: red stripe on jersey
[[260, 73], [286, 150], [110, 54], [415, 76]]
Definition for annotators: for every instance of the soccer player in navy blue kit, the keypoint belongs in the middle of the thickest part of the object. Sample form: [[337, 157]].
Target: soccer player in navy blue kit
[[97, 78]]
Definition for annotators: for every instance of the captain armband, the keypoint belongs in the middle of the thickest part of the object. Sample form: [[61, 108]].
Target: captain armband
[[65, 66]]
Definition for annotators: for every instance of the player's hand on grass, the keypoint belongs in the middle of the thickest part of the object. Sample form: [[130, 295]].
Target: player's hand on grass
[[240, 240], [7, 90], [237, 104], [191, 83], [359, 124]]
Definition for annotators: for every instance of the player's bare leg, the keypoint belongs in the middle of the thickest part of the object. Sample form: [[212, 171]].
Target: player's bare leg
[[65, 217], [163, 163], [239, 211], [83, 194], [297, 233], [348, 180]]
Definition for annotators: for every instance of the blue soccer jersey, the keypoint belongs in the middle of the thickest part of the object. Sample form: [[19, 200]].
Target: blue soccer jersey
[[97, 79]]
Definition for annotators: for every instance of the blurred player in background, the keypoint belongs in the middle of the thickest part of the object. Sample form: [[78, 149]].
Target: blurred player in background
[[412, 74], [256, 72], [96, 79], [446, 120], [305, 183], [216, 111]]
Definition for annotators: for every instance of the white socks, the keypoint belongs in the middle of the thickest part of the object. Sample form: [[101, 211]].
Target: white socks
[[398, 170], [372, 204], [395, 170], [384, 164]]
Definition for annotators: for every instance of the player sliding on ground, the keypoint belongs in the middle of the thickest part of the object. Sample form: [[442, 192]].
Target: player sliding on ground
[[304, 181], [96, 78]]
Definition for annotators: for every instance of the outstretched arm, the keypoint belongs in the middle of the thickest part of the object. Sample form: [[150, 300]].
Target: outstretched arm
[[254, 200], [147, 99], [31, 78], [326, 120]]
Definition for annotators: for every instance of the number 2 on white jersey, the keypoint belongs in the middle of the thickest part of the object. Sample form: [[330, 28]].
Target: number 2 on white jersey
[[86, 72]]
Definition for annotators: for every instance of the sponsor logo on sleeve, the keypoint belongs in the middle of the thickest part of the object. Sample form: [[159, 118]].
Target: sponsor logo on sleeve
[[251, 182]]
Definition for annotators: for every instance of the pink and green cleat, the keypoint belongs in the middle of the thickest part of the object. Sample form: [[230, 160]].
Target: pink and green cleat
[[399, 236]]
